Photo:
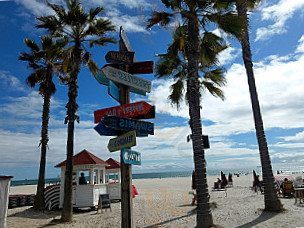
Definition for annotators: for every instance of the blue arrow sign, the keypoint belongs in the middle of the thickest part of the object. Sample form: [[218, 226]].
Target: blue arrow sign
[[106, 131], [131, 157], [113, 90], [128, 124]]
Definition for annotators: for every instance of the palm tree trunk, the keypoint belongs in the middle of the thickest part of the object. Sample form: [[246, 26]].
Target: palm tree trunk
[[67, 210], [204, 216], [272, 202], [39, 198]]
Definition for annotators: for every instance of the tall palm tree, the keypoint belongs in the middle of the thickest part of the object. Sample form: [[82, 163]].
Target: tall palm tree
[[43, 61], [79, 28], [272, 202], [196, 16]]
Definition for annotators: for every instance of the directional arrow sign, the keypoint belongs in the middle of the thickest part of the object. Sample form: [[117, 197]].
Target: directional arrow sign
[[123, 141], [106, 131], [101, 78], [127, 124], [126, 78], [138, 110], [131, 157], [119, 57], [144, 67], [113, 91]]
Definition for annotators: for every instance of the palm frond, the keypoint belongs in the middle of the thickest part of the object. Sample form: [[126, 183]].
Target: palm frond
[[50, 23], [229, 22], [163, 18], [177, 93], [102, 41], [213, 90], [31, 44], [95, 12], [92, 66]]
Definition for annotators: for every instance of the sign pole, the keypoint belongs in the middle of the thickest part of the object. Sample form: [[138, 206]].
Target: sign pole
[[126, 169]]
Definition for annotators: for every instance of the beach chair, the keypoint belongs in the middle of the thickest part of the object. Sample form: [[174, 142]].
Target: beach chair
[[287, 188]]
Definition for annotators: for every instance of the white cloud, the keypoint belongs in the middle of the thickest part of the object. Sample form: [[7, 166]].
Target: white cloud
[[278, 87], [299, 136], [279, 14], [10, 82]]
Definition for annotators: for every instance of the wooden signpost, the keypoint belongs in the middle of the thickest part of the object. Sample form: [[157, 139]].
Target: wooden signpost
[[127, 124], [138, 110], [127, 79], [118, 76], [123, 141]]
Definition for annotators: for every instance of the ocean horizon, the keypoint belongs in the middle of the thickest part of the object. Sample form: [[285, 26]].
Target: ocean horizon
[[173, 174]]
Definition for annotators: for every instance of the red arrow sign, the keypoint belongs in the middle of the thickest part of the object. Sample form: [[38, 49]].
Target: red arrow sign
[[138, 110], [145, 67]]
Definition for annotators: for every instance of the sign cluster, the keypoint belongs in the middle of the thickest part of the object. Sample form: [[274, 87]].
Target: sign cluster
[[125, 121]]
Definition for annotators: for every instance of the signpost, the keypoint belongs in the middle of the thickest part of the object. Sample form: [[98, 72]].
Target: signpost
[[123, 141], [127, 79], [139, 110], [127, 124], [131, 157], [119, 57], [120, 81]]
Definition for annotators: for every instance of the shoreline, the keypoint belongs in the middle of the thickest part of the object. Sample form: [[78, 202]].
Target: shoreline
[[166, 202]]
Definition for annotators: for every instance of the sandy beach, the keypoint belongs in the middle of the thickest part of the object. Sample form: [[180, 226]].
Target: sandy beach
[[166, 203]]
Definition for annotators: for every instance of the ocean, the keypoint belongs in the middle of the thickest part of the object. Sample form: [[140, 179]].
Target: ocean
[[142, 176], [286, 170]]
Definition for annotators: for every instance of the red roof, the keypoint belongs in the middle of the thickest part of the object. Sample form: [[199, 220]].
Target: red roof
[[113, 164], [5, 177], [83, 158]]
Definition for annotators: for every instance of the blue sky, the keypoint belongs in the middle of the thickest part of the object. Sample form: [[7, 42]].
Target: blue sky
[[277, 41]]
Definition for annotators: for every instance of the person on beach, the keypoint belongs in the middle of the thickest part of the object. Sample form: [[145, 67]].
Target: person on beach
[[82, 179]]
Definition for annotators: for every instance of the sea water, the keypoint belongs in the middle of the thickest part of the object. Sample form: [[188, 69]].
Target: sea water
[[152, 175]]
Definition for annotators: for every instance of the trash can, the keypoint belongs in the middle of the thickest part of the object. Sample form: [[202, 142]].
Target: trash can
[[5, 182]]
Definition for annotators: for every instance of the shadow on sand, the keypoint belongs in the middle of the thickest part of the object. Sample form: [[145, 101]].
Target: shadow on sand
[[192, 212], [33, 214], [263, 217]]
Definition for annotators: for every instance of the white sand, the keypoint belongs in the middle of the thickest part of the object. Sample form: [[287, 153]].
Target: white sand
[[166, 203]]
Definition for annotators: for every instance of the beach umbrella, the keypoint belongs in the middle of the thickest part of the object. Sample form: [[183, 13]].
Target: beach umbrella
[[281, 177]]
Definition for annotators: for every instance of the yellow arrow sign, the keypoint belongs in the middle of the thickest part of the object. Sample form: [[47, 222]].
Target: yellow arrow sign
[[124, 141]]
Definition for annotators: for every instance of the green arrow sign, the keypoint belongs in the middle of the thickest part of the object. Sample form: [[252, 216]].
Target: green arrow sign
[[123, 141]]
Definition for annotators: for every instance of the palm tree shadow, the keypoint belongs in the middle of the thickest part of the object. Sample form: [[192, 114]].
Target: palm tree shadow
[[33, 214], [192, 212], [263, 217]]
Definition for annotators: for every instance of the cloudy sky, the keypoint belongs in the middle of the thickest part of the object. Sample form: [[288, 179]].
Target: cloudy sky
[[277, 41]]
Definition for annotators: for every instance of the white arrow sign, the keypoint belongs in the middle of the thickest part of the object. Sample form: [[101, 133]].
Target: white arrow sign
[[127, 79]]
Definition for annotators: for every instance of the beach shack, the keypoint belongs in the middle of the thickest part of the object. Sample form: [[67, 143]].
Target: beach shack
[[113, 178], [85, 194], [4, 190]]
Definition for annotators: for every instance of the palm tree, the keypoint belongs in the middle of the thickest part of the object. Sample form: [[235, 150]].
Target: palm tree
[[78, 28], [196, 15], [272, 202], [43, 61]]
